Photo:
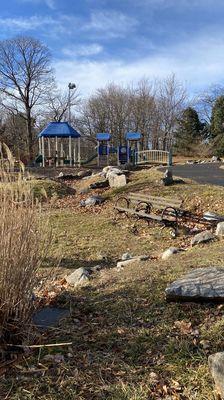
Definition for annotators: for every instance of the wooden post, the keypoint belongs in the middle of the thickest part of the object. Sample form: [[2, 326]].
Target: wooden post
[[75, 152], [79, 151], [49, 147], [39, 140], [61, 154], [98, 153], [56, 150], [43, 155], [128, 156], [70, 150]]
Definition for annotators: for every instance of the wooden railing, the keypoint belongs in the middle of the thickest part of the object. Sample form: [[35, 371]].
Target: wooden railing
[[153, 157]]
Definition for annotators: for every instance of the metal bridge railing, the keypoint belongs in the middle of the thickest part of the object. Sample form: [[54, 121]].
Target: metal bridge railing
[[153, 157]]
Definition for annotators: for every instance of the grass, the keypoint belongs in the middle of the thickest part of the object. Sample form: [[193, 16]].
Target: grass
[[126, 340]]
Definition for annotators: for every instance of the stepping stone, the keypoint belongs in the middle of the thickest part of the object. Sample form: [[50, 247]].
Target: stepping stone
[[202, 284]]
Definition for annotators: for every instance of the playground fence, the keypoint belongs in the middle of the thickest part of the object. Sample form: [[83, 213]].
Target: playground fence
[[153, 157]]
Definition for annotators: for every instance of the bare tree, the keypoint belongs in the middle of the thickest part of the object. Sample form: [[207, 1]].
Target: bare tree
[[171, 99], [25, 78], [58, 103], [205, 101]]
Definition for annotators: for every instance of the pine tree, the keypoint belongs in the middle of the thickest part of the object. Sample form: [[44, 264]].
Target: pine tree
[[217, 126], [189, 131]]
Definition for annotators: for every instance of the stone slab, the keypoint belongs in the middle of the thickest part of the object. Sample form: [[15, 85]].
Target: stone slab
[[201, 284]]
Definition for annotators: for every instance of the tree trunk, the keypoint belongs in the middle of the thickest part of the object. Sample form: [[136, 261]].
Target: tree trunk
[[29, 133]]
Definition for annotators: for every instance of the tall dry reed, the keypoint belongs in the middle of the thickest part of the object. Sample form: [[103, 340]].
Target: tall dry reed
[[24, 240]]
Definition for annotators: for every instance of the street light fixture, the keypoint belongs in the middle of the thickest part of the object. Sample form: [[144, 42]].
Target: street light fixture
[[71, 86]]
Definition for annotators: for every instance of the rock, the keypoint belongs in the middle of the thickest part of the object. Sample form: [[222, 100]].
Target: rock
[[216, 365], [220, 229], [191, 162], [100, 184], [92, 201], [116, 181], [215, 159], [126, 256], [201, 284], [167, 178], [96, 268], [54, 358], [78, 277], [84, 190], [67, 177], [169, 252], [125, 263], [84, 173], [202, 237]]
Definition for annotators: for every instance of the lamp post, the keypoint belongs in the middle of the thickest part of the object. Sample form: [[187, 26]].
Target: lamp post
[[70, 87]]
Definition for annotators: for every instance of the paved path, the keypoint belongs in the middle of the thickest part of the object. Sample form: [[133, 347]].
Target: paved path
[[210, 173]]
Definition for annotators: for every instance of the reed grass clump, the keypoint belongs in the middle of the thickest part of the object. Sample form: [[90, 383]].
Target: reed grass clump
[[24, 240]]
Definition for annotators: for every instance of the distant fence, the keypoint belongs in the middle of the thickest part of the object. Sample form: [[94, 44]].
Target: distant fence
[[153, 157]]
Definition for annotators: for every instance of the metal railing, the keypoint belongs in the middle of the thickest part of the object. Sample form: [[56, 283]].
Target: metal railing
[[153, 157]]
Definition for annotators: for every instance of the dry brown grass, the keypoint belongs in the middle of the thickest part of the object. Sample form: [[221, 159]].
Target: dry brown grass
[[23, 243]]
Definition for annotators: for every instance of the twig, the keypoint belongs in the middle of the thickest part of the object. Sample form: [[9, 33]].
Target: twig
[[37, 346]]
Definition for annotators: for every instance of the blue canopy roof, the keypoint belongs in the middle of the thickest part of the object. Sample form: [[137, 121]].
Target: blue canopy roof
[[59, 129], [133, 136], [103, 136]]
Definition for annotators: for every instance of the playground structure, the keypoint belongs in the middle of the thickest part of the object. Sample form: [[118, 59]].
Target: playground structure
[[103, 148], [63, 145], [130, 152]]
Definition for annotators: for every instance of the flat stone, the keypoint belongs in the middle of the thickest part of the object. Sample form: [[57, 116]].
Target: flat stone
[[49, 317], [201, 284], [216, 365], [78, 277], [125, 263], [202, 237], [84, 173], [169, 252], [220, 229], [92, 201]]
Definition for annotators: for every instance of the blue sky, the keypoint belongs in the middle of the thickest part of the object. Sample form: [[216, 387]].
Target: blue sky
[[94, 42]]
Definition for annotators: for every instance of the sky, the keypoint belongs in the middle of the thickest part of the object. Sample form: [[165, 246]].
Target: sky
[[95, 42]]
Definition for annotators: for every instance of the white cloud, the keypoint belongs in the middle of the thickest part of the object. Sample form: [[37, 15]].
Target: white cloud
[[83, 51], [198, 63], [25, 24], [110, 24], [49, 3]]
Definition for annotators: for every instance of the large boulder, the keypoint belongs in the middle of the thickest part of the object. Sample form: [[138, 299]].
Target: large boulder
[[78, 277], [116, 181], [216, 365], [202, 237], [201, 284], [220, 229], [215, 159]]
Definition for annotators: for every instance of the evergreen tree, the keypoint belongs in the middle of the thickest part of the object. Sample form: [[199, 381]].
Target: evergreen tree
[[217, 126], [189, 131]]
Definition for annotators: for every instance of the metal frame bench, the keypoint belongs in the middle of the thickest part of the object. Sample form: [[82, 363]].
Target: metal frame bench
[[164, 210]]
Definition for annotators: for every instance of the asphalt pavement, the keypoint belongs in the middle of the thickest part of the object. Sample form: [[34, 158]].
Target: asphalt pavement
[[209, 173]]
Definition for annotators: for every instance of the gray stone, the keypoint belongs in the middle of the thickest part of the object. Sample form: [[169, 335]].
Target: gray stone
[[84, 173], [100, 184], [126, 256], [170, 252], [116, 181], [202, 237], [216, 365], [125, 263], [92, 201], [78, 277], [201, 284], [215, 159], [220, 229]]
